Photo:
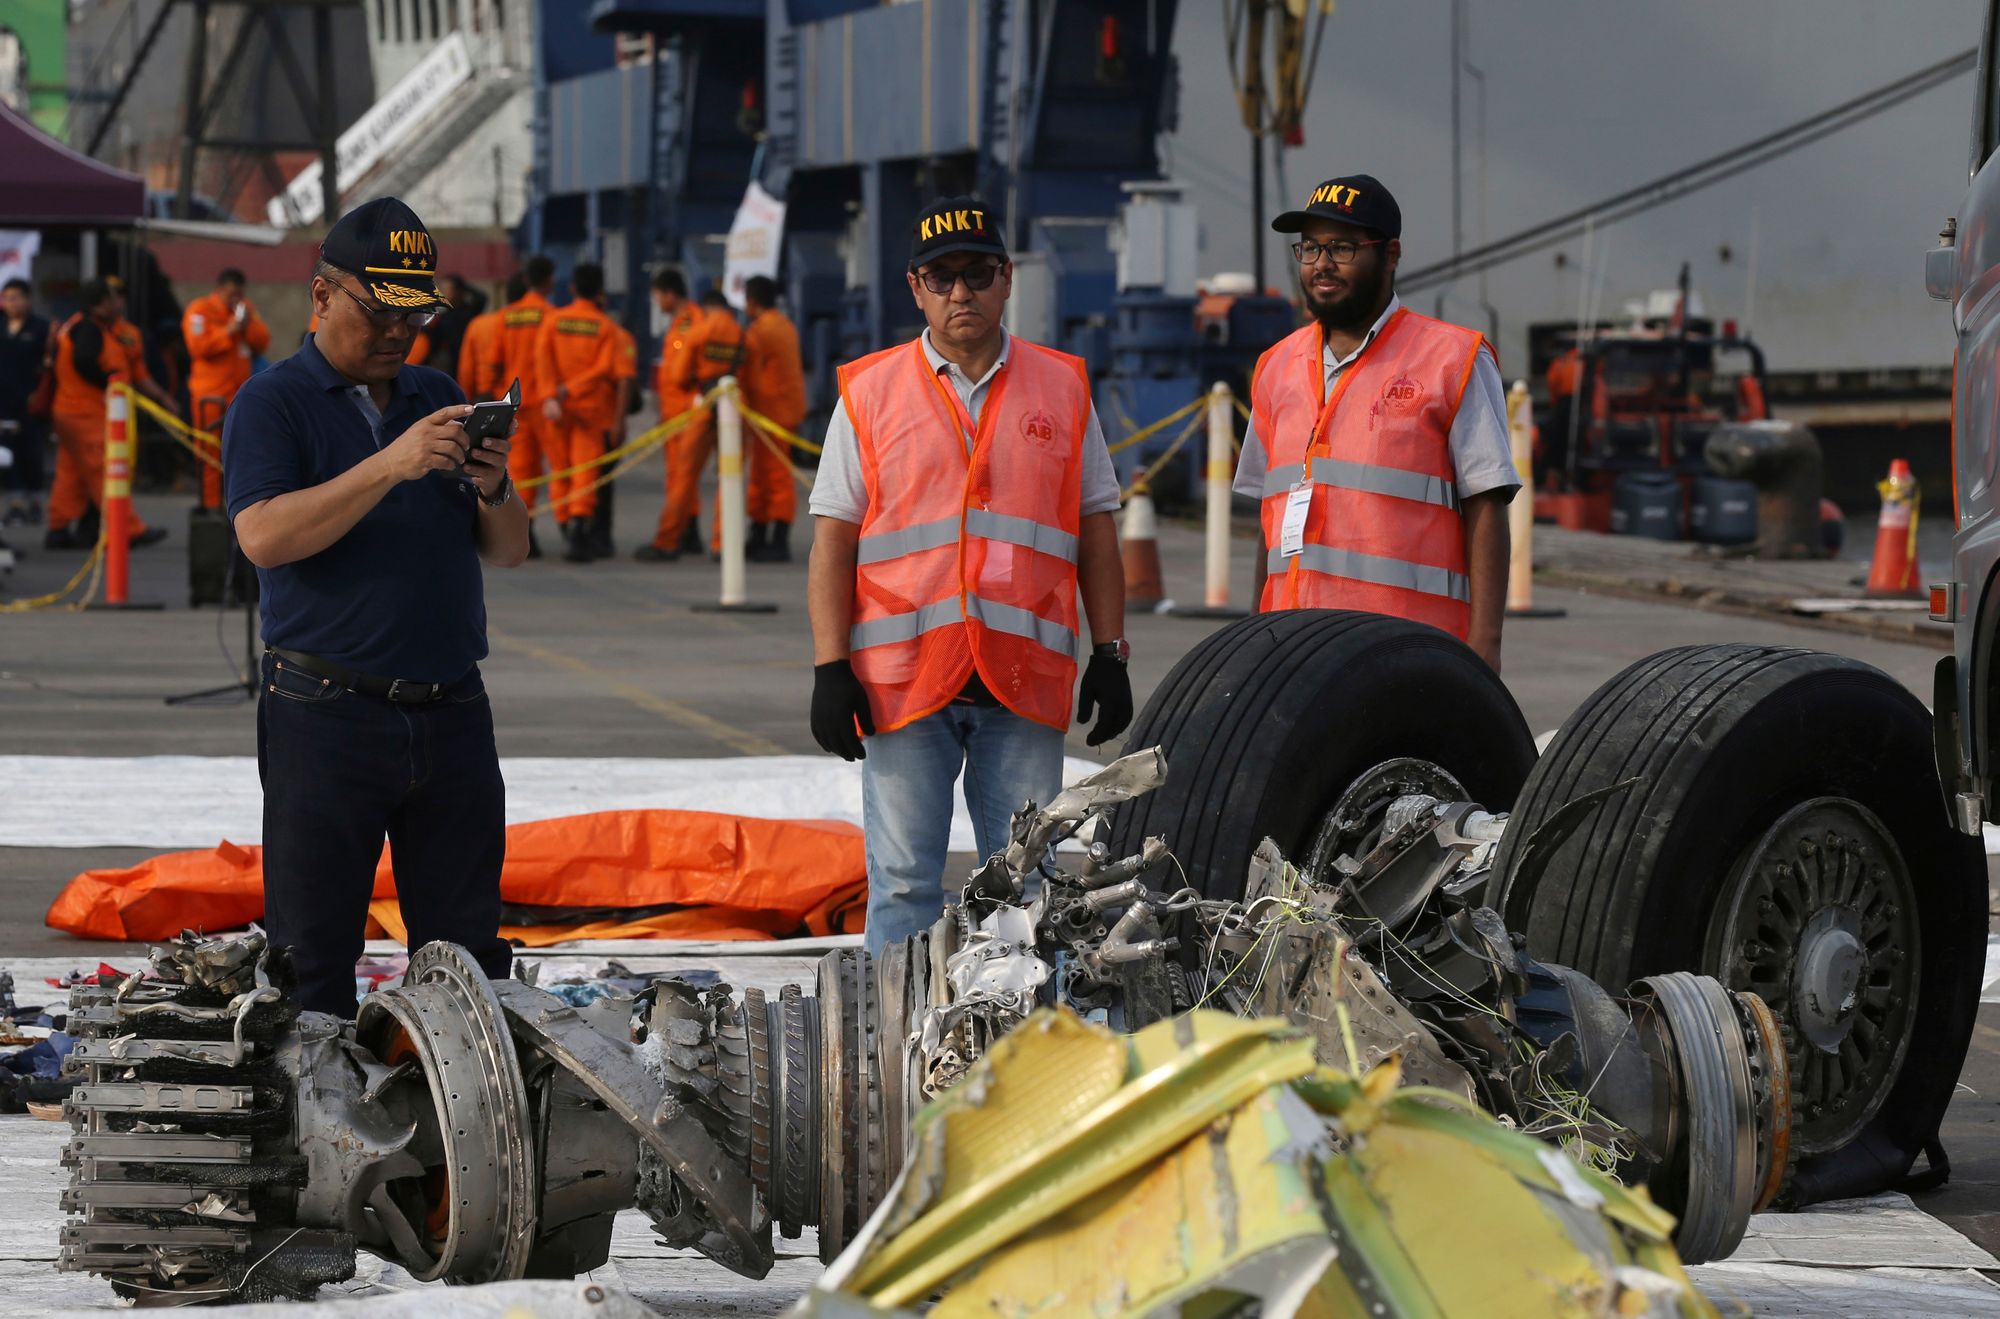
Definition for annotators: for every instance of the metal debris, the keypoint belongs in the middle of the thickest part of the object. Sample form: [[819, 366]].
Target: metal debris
[[228, 1145]]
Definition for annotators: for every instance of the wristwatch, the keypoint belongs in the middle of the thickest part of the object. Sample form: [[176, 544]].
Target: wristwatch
[[500, 496], [1120, 650]]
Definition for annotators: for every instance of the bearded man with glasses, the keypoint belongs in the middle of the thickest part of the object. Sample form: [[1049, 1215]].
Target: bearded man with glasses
[[965, 499], [1378, 444], [354, 490]]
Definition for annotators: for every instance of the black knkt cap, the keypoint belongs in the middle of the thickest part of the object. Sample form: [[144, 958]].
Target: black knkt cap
[[1356, 199], [955, 224], [387, 247]]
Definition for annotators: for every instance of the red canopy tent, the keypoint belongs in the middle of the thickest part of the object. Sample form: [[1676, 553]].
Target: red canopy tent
[[43, 182]]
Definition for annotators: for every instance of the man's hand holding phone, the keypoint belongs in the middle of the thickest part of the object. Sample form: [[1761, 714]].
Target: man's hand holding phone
[[489, 432]]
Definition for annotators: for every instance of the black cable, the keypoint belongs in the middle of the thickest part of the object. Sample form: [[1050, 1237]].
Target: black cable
[[1692, 178]]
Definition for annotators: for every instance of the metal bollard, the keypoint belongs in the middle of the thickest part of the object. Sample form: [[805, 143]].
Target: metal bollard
[[1521, 513], [729, 505], [1221, 467]]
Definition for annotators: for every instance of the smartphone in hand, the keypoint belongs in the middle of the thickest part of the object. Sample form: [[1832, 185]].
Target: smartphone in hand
[[490, 419], [494, 417]]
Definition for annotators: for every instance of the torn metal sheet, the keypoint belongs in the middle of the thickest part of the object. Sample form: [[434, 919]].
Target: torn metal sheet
[[1075, 1172]]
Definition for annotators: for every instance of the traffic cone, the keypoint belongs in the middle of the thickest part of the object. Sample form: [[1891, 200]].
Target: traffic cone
[[1140, 545], [1894, 571]]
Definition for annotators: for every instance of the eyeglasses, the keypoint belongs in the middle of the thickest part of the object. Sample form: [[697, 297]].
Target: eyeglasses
[[977, 278], [384, 318], [1342, 251]]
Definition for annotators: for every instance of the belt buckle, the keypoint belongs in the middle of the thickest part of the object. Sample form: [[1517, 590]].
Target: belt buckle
[[395, 689]]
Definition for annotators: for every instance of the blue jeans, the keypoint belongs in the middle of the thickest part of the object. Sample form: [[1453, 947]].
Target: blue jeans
[[343, 771], [906, 785]]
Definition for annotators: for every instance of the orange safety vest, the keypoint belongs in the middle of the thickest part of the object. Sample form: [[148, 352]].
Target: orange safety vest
[[123, 354], [967, 563], [1382, 531]]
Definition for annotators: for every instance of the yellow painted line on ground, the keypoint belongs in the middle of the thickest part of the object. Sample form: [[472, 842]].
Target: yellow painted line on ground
[[738, 739]]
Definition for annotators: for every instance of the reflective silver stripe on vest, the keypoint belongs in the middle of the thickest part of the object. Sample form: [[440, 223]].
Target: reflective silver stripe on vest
[[1024, 532], [1392, 481], [881, 546], [1023, 623], [1373, 568], [904, 627], [1001, 618]]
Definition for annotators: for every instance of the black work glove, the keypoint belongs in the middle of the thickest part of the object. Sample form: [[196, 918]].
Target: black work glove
[[839, 700], [1106, 689]]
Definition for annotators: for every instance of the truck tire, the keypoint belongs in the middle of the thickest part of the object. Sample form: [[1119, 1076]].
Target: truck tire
[[1780, 828], [1269, 721]]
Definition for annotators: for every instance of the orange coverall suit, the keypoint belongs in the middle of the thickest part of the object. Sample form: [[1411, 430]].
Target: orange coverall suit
[[774, 384], [671, 381], [510, 357], [78, 413], [479, 356], [219, 351], [578, 351], [714, 350]]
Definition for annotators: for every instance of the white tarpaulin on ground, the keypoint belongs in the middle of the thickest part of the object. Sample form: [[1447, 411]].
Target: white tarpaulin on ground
[[380, 127], [197, 801], [754, 240]]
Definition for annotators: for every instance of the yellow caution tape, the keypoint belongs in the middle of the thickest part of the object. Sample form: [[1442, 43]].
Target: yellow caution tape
[[1145, 476], [773, 429], [93, 569], [202, 444], [1147, 432]]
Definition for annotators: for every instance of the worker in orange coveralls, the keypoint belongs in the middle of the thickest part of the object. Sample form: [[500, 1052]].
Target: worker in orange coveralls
[[774, 385], [714, 350], [520, 330], [479, 349], [223, 333], [576, 358], [673, 381], [625, 376], [92, 346]]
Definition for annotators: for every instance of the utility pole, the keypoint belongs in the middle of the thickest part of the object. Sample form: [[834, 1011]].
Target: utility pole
[[1253, 116]]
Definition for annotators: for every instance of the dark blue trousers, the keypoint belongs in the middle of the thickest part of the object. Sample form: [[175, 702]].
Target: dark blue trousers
[[341, 772]]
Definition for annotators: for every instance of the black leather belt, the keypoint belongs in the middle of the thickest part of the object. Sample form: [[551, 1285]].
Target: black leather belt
[[399, 690]]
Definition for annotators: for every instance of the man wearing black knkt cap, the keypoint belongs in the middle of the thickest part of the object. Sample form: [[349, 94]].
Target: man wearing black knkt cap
[[1378, 443], [353, 488], [965, 498]]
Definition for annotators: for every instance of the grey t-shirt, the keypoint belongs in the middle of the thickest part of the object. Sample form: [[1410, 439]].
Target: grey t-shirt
[[1482, 456], [840, 490]]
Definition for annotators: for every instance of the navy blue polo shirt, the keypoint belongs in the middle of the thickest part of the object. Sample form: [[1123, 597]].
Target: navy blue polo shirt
[[400, 595]]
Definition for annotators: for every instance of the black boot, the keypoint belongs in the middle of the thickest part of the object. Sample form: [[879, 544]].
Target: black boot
[[576, 537], [778, 548], [534, 548], [600, 533], [754, 549], [691, 542]]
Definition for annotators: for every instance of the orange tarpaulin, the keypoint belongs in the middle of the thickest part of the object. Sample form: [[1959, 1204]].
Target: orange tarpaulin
[[727, 877]]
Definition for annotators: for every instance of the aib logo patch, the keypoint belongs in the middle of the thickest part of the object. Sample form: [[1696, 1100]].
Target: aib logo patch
[[1403, 395], [1039, 428]]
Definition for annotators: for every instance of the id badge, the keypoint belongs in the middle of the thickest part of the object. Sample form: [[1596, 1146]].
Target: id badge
[[1292, 533]]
